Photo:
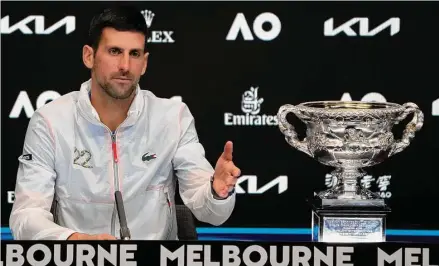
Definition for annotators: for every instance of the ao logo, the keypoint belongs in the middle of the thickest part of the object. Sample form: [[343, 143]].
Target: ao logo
[[240, 25], [23, 103]]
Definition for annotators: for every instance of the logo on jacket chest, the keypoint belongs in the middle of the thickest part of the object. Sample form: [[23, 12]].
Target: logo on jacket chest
[[82, 158], [148, 157]]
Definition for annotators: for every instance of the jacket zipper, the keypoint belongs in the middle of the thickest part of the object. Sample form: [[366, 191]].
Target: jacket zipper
[[116, 179], [116, 172]]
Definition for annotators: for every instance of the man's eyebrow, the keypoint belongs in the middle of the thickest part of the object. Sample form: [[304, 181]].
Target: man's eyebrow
[[119, 48], [112, 47], [136, 50]]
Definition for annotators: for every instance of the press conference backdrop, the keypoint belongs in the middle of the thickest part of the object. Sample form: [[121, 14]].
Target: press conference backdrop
[[235, 64]]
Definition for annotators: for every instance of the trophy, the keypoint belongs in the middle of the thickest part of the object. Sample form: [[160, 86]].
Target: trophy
[[349, 136]]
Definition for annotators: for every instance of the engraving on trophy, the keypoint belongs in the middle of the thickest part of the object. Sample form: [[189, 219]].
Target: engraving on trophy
[[350, 136], [352, 229]]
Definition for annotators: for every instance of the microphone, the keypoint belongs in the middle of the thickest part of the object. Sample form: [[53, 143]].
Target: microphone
[[124, 231]]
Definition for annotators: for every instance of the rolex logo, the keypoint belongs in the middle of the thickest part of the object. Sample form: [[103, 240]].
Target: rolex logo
[[156, 36], [149, 16]]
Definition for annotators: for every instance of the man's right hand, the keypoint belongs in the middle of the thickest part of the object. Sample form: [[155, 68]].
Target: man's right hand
[[80, 236]]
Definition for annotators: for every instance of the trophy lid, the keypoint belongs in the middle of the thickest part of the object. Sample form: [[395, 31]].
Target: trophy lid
[[352, 105], [348, 109]]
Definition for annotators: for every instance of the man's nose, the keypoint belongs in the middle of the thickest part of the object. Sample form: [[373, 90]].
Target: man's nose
[[124, 62]]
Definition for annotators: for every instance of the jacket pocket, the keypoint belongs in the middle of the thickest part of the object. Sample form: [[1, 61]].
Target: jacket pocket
[[87, 217], [54, 209], [169, 212]]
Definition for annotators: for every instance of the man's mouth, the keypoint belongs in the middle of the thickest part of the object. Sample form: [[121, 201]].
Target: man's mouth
[[123, 80]]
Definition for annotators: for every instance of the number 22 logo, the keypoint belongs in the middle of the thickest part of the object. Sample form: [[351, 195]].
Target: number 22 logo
[[82, 158]]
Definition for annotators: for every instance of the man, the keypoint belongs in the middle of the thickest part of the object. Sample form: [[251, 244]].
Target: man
[[111, 135]]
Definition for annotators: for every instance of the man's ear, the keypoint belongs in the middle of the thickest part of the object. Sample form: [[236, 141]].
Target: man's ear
[[145, 64], [88, 56]]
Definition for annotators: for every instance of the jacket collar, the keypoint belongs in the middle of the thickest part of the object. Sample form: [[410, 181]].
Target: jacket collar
[[90, 113]]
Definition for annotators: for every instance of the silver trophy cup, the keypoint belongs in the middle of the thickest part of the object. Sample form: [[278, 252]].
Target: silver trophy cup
[[349, 136]]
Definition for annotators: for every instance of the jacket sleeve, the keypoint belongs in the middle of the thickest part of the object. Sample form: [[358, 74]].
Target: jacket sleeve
[[194, 173], [31, 218]]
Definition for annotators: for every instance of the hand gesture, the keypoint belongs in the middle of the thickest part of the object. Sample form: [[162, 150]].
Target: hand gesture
[[226, 173]]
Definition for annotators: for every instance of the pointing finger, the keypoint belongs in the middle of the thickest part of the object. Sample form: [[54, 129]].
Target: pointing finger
[[228, 150]]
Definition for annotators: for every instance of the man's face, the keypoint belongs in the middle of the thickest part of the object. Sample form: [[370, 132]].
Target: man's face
[[119, 62]]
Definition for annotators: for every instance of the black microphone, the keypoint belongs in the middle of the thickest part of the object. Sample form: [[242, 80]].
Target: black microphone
[[124, 231]]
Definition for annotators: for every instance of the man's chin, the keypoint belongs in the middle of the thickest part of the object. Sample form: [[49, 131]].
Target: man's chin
[[120, 93], [121, 96]]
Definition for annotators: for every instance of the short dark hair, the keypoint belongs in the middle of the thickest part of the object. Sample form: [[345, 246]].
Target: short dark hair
[[122, 18]]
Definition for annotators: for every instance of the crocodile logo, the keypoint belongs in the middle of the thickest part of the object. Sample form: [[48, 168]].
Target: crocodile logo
[[148, 157]]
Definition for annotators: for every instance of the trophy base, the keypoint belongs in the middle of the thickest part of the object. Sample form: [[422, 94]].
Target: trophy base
[[349, 222]]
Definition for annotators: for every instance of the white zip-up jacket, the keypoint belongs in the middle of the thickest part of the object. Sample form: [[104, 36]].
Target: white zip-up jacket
[[73, 160]]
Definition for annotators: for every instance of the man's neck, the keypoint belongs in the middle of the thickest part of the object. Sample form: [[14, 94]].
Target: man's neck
[[112, 112]]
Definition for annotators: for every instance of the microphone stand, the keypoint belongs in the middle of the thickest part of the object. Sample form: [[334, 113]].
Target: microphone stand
[[124, 231]]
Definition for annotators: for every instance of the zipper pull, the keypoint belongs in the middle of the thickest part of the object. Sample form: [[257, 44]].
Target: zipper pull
[[114, 147]]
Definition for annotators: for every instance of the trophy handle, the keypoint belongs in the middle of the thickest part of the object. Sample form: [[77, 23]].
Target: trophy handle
[[411, 128], [288, 130]]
